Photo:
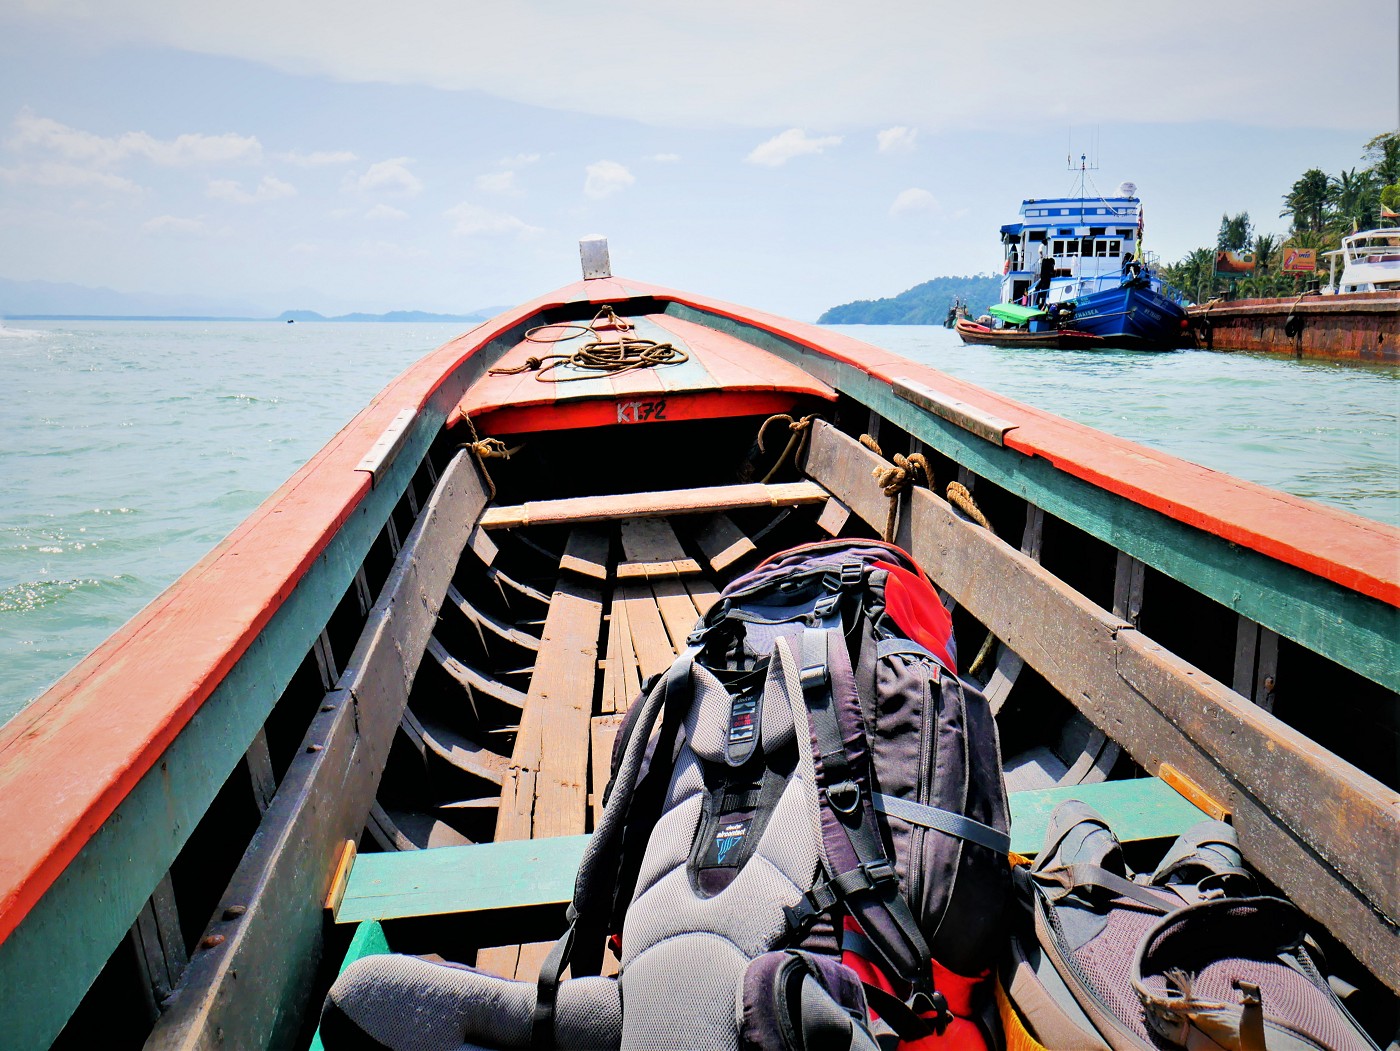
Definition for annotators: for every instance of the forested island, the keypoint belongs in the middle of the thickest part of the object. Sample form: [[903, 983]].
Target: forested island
[[925, 304]]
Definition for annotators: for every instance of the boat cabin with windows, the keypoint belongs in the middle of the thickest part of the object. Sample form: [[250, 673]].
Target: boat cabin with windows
[[1093, 242], [1370, 262]]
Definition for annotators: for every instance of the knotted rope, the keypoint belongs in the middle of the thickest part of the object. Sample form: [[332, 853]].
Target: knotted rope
[[896, 478], [799, 430], [601, 355], [487, 449], [961, 498]]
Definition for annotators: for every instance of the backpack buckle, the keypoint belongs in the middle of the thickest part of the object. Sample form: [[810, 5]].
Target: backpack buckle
[[844, 797], [879, 871], [852, 573]]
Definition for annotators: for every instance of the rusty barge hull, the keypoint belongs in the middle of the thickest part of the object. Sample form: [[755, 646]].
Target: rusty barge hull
[[1363, 326]]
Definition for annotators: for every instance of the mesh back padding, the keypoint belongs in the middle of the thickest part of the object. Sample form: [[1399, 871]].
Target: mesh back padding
[[1240, 940], [1104, 964], [684, 955]]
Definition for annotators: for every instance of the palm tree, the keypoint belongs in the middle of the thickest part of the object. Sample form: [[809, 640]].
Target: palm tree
[[1265, 245], [1353, 197], [1306, 202], [1383, 153]]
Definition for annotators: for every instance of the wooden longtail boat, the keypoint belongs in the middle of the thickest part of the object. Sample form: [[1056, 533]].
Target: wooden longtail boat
[[971, 332], [386, 694]]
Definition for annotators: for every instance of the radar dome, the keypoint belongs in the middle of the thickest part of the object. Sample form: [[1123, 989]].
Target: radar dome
[[1127, 189]]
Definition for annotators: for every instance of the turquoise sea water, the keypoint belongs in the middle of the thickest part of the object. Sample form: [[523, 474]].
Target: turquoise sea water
[[128, 449]]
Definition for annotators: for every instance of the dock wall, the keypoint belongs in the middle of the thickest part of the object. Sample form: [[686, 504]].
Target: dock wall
[[1363, 326]]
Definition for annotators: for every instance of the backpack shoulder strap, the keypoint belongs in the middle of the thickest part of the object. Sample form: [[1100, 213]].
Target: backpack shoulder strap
[[862, 878]]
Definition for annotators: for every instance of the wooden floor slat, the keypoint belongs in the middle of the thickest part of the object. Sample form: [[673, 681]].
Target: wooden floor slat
[[651, 549], [722, 542]]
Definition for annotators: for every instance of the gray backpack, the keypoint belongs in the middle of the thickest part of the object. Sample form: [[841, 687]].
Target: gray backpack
[[1187, 956], [805, 811]]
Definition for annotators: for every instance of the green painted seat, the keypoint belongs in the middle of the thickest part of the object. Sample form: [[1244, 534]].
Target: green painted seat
[[531, 872]]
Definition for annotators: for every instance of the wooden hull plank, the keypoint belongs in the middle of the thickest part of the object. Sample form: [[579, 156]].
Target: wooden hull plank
[[1321, 830], [1232, 540], [652, 505], [283, 879]]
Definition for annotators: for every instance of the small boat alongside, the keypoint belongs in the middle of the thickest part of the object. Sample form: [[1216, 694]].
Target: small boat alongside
[[380, 714], [1009, 325], [1083, 255]]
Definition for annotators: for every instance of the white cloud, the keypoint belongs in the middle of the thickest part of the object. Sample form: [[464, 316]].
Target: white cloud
[[898, 139], [606, 177], [665, 158], [520, 160], [914, 201], [319, 158], [391, 176], [66, 176], [497, 182], [474, 221], [385, 211], [792, 143], [270, 189], [821, 75], [173, 224], [43, 133]]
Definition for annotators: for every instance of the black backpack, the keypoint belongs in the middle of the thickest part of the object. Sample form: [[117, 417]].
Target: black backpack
[[805, 812]]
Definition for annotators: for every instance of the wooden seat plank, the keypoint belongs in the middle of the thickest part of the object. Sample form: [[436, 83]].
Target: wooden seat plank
[[621, 506], [477, 878], [510, 874], [1137, 809], [722, 542]]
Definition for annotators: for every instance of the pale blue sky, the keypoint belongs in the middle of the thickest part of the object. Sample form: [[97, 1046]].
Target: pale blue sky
[[445, 156]]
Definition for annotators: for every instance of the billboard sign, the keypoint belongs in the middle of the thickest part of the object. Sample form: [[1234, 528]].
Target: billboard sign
[[1299, 260]]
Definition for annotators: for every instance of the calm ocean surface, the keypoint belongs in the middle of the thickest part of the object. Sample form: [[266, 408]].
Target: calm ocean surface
[[128, 449]]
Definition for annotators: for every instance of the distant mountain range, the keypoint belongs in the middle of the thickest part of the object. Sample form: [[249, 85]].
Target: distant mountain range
[[48, 300], [925, 304]]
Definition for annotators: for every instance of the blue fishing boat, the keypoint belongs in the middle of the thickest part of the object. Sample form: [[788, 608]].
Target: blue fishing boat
[[1080, 259]]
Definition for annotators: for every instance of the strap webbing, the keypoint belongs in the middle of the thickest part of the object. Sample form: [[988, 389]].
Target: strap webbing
[[870, 889], [1067, 878], [943, 821]]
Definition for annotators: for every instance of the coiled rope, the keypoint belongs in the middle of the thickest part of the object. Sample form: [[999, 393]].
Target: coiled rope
[[600, 355], [799, 431]]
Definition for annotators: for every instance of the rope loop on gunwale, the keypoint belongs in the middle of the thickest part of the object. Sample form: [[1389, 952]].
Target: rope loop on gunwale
[[799, 431], [601, 355]]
